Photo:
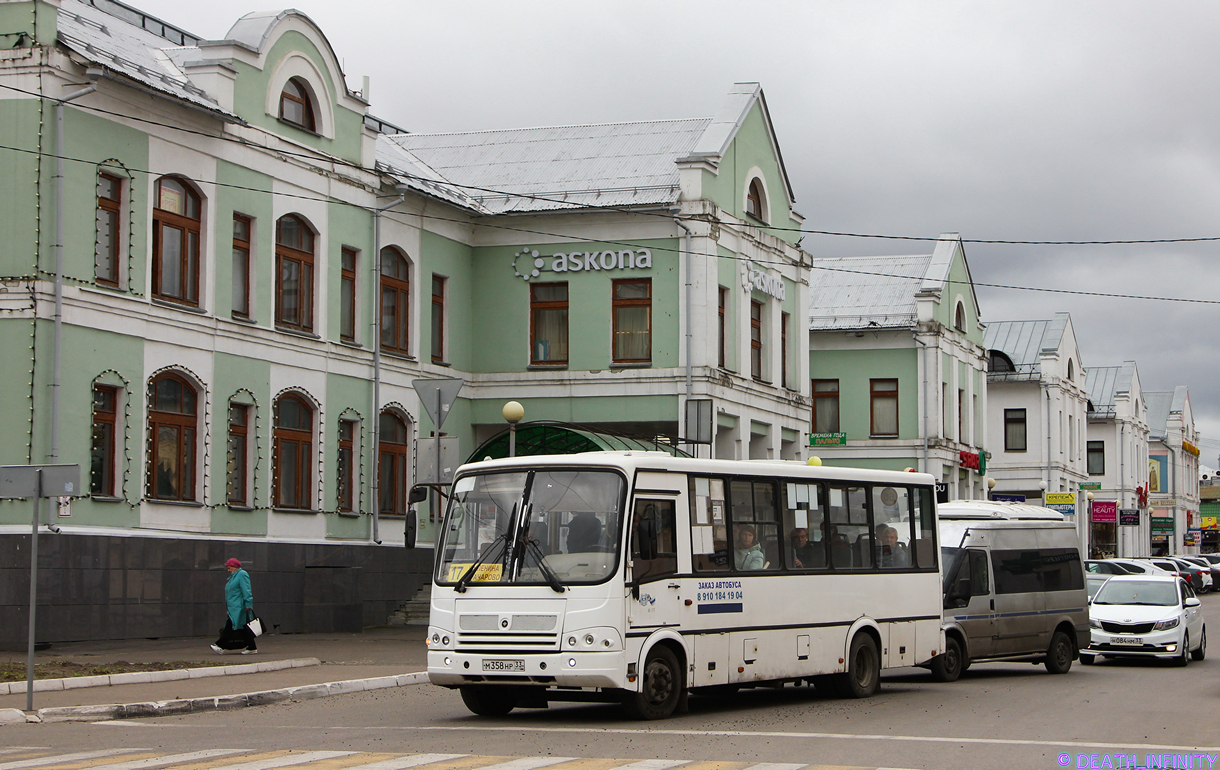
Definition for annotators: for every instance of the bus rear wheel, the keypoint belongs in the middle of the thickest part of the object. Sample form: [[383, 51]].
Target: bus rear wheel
[[863, 675], [488, 701], [947, 666], [660, 686]]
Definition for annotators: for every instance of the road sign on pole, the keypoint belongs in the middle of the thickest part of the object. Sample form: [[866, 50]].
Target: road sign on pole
[[436, 396]]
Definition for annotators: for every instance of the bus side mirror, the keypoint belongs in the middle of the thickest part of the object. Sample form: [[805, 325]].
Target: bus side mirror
[[647, 539], [410, 529], [418, 495]]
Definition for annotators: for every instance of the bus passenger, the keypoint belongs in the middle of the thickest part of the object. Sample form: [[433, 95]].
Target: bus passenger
[[748, 554], [584, 532], [805, 554], [890, 552]]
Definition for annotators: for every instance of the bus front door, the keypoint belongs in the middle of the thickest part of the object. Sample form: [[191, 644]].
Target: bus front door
[[655, 597]]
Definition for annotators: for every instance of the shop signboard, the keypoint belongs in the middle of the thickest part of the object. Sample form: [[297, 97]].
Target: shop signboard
[[1090, 485], [1192, 537], [1129, 517], [1162, 524], [1064, 502], [1105, 512], [827, 439], [1211, 522], [1002, 498]]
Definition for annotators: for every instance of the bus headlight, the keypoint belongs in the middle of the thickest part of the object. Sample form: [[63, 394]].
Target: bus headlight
[[601, 639]]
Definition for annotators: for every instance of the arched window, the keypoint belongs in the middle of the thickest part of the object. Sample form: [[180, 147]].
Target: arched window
[[999, 362], [959, 318], [175, 268], [395, 301], [293, 273], [392, 464], [293, 452], [1071, 371], [172, 421], [296, 106], [755, 200]]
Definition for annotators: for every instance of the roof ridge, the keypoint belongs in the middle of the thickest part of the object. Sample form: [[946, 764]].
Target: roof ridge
[[547, 128]]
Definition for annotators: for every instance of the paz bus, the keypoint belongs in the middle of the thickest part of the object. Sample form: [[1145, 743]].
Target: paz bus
[[638, 577]]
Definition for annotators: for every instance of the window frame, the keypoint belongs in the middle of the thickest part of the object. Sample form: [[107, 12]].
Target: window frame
[[756, 197], [187, 454], [238, 472], [828, 395], [756, 340], [784, 319], [305, 100], [400, 341], [304, 442], [393, 468], [305, 262], [189, 268], [101, 483], [537, 305], [345, 466], [242, 247], [874, 397], [617, 304], [113, 208], [347, 293], [1095, 450], [723, 303], [439, 317], [1011, 419]]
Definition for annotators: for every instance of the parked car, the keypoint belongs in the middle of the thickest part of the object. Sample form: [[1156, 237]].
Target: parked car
[[1207, 564], [1204, 574], [1179, 569], [1106, 567], [1146, 616], [1094, 581], [1140, 567]]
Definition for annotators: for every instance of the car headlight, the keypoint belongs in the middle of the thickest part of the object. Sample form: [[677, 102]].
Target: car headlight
[[1167, 624], [1094, 623]]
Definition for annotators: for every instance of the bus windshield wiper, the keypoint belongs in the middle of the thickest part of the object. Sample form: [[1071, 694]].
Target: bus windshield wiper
[[468, 575], [551, 578]]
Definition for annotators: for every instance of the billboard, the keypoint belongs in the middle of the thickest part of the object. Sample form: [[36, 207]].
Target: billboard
[[1105, 512], [1158, 468]]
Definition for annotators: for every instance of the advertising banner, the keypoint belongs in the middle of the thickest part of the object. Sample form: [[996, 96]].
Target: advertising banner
[[1211, 522], [1129, 517], [1105, 512], [1157, 468], [1162, 524], [1064, 502]]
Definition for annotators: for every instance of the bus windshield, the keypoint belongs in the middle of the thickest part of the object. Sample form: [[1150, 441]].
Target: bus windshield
[[535, 527]]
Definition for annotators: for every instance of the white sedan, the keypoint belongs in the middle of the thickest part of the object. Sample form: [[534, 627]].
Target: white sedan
[[1146, 616]]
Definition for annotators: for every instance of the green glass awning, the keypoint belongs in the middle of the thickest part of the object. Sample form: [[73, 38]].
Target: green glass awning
[[551, 438]]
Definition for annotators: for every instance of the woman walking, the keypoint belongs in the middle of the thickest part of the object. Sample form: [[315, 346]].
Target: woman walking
[[239, 602]]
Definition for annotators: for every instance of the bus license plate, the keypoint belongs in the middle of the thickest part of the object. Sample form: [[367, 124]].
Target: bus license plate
[[1126, 640], [504, 665]]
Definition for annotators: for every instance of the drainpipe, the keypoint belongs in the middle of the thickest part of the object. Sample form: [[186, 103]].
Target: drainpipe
[[94, 74], [924, 345], [689, 333], [374, 277]]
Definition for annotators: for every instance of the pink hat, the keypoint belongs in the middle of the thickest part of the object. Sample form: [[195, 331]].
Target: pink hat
[[233, 563]]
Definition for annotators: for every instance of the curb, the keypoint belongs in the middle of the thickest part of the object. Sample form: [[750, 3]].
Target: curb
[[143, 677], [216, 703]]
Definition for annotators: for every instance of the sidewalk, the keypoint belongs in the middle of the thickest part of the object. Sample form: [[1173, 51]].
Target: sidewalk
[[379, 657]]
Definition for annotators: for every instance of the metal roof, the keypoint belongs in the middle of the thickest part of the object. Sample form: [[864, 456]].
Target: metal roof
[[865, 292], [552, 438], [1161, 405], [1103, 383], [135, 45], [608, 164], [1025, 341]]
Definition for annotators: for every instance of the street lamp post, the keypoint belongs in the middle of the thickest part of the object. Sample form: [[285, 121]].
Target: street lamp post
[[513, 412], [990, 486]]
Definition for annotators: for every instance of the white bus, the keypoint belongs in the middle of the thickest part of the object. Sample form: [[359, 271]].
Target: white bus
[[637, 577]]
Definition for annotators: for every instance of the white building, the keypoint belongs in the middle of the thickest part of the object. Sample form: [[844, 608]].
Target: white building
[[1115, 458], [1173, 472]]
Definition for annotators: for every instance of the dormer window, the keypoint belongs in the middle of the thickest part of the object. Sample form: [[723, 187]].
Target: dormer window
[[296, 107], [754, 200], [959, 320]]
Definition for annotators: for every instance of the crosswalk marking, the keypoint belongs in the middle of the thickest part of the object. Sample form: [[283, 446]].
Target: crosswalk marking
[[529, 763], [287, 760], [171, 759], [654, 764], [402, 763], [776, 766], [64, 758]]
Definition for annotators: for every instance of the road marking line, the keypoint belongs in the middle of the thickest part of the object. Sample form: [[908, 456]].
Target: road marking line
[[529, 763], [401, 763], [653, 764], [169, 759], [65, 758], [1173, 747], [287, 760], [775, 766]]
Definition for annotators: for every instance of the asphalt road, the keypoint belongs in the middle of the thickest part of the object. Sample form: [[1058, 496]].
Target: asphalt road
[[996, 716]]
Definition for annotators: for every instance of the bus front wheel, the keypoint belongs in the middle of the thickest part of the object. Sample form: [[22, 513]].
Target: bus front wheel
[[947, 666], [488, 701], [863, 675], [660, 689]]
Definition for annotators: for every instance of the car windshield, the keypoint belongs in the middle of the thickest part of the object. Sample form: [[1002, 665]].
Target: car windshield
[[554, 526], [1161, 593], [1094, 582]]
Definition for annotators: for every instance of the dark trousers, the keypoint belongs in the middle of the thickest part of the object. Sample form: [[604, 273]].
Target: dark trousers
[[236, 639]]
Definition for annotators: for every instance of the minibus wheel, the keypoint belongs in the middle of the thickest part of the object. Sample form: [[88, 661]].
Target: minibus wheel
[[660, 688], [947, 666], [863, 675], [488, 701], [1059, 654]]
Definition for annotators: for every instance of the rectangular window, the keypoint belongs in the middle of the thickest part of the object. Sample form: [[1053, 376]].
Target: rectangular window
[[241, 266], [1014, 430], [805, 525], [632, 309], [825, 406], [347, 295], [708, 525], [924, 547], [438, 319], [659, 518], [946, 416], [1097, 458], [756, 340], [723, 309], [883, 398], [783, 348], [755, 525], [1048, 569], [238, 454], [101, 469], [848, 530], [549, 323], [346, 466], [892, 527], [106, 248], [961, 412]]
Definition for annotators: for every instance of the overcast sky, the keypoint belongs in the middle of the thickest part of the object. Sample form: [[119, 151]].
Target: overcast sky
[[1014, 121]]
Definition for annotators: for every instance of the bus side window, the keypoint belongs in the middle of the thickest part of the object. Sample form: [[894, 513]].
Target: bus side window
[[851, 535], [925, 529], [803, 523], [708, 526], [892, 516], [978, 577], [653, 531]]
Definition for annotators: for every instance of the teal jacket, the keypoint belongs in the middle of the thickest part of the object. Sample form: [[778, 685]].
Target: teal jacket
[[239, 598]]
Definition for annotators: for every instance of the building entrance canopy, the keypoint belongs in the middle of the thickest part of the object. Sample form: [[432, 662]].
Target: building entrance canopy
[[551, 438]]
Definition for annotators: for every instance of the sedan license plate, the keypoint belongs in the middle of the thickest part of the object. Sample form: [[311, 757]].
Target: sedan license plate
[[516, 665], [1126, 640]]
